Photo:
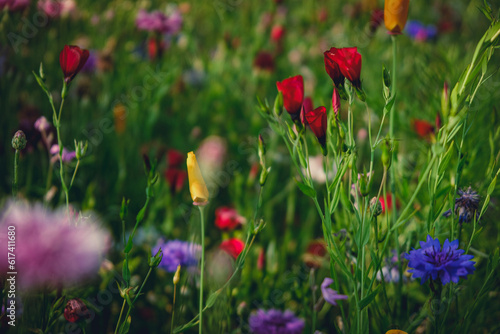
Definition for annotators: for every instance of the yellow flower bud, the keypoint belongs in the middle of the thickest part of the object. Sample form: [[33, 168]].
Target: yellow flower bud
[[177, 275], [396, 15], [197, 186], [395, 331]]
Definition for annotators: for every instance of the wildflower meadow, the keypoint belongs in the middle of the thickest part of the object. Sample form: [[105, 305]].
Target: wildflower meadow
[[237, 166]]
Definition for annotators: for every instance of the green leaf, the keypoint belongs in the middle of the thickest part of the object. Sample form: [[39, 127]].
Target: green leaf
[[368, 299], [445, 161], [307, 190], [492, 186], [389, 104], [125, 327], [211, 300]]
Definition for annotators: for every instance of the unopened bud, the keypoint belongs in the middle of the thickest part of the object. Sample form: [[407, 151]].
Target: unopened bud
[[177, 275], [262, 148], [336, 101], [445, 100], [263, 176], [19, 141], [386, 154], [375, 207], [386, 77], [291, 132], [76, 310], [278, 104], [81, 149], [40, 71]]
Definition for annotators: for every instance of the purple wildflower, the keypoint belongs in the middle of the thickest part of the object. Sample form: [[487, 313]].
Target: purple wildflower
[[50, 250], [466, 206], [177, 252], [41, 124], [446, 264], [67, 156], [159, 22], [275, 322], [91, 62], [331, 296], [14, 5], [390, 272], [420, 31]]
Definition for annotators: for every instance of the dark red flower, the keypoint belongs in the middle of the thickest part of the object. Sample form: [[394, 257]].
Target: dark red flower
[[317, 120], [76, 310], [264, 61], [293, 95], [376, 19], [423, 128], [72, 59], [228, 218], [175, 178], [175, 158], [336, 101], [348, 61], [389, 203], [233, 247], [261, 260], [156, 48], [315, 254]]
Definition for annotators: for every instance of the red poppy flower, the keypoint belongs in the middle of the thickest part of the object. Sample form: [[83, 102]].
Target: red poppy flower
[[277, 33], [264, 61], [332, 68], [317, 120], [315, 254], [76, 310], [72, 59], [228, 218], [233, 247], [423, 128], [261, 260], [293, 95], [389, 203], [348, 61]]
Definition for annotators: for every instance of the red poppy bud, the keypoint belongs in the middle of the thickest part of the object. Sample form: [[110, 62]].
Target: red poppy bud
[[336, 101], [277, 33], [307, 106], [293, 95], [75, 310], [332, 68], [233, 247], [317, 120], [175, 158], [72, 59], [348, 61]]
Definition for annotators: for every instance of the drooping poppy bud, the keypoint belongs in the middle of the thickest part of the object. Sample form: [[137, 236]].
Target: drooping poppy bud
[[72, 59], [233, 247], [317, 120], [396, 15], [76, 310], [197, 186], [336, 101], [348, 61], [293, 95]]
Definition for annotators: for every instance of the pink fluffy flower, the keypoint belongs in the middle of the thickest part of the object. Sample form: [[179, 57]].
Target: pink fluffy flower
[[50, 251]]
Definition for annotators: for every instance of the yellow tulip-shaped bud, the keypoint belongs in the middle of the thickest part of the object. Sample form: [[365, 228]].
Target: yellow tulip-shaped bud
[[396, 15], [197, 186], [395, 331]]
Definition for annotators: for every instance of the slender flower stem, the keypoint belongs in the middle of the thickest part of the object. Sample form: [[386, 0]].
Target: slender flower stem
[[74, 174], [173, 311], [312, 284], [202, 220], [16, 177], [120, 317]]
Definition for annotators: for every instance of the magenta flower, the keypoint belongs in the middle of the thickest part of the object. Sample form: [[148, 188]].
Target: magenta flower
[[50, 250], [159, 22], [331, 296]]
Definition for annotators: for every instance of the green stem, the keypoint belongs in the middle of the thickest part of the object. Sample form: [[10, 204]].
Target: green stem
[[314, 313], [202, 220], [16, 177], [120, 317], [138, 294], [74, 174]]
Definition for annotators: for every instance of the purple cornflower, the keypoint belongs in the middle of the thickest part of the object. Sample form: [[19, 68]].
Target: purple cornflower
[[51, 251], [177, 252], [446, 264], [331, 296], [275, 322], [91, 62], [466, 206], [420, 32], [159, 22]]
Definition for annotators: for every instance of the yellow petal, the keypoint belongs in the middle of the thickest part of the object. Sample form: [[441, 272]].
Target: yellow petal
[[396, 15], [197, 186]]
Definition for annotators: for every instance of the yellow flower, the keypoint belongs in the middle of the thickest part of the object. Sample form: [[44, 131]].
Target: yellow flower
[[395, 331], [396, 15], [197, 186]]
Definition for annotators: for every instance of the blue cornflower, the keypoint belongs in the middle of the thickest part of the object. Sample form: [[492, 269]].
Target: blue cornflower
[[177, 252], [446, 264], [275, 322], [466, 206]]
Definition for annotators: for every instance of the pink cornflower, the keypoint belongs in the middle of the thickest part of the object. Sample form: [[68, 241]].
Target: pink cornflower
[[50, 250]]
